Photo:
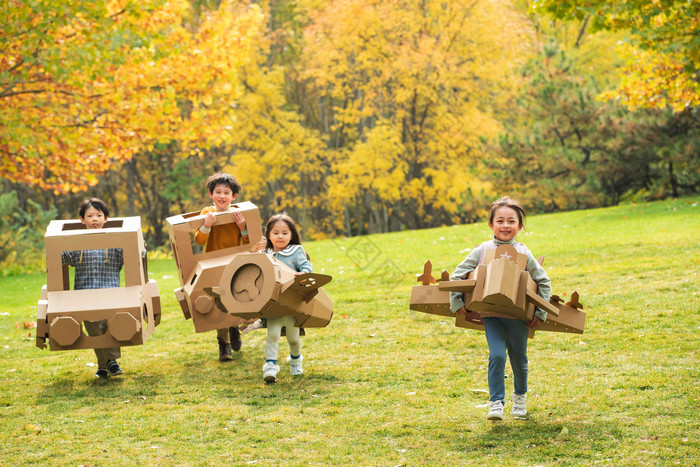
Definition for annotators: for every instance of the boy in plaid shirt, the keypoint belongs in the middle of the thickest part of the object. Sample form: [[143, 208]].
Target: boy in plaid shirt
[[97, 269]]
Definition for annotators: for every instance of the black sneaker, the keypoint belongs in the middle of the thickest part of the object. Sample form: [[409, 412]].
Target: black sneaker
[[235, 335], [114, 368], [224, 351], [102, 373]]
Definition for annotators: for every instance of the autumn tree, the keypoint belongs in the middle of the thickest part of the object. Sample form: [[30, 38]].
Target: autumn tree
[[406, 91], [663, 51], [86, 85], [281, 163], [565, 149]]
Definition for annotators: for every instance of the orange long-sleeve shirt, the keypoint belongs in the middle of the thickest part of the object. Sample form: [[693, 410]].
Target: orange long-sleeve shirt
[[221, 236]]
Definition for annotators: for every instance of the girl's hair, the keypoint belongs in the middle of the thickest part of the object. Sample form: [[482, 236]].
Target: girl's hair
[[95, 203], [223, 179], [508, 202]]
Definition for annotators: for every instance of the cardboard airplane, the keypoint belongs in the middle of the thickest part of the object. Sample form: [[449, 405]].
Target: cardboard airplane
[[228, 287], [499, 285]]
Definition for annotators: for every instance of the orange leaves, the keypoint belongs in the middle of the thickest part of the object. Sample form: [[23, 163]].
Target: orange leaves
[[664, 54], [106, 81]]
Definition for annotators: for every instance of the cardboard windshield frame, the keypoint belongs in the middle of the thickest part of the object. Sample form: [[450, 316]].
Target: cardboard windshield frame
[[180, 228], [132, 311]]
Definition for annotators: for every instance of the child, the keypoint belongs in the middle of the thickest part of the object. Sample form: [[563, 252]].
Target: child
[[284, 244], [97, 269], [223, 189], [502, 332]]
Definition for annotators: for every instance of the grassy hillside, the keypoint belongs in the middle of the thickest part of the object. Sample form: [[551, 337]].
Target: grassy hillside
[[384, 385]]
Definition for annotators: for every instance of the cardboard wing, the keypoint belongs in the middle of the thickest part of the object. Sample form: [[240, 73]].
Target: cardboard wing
[[571, 318], [257, 285], [502, 287]]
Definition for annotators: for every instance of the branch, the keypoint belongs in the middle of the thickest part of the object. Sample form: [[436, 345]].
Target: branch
[[581, 31]]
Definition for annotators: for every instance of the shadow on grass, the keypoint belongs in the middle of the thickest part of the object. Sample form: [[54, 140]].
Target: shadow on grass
[[535, 438]]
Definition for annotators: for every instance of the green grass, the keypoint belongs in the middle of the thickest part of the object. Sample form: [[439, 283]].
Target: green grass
[[384, 385]]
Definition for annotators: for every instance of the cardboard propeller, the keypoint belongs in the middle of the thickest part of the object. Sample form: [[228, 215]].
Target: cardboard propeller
[[257, 285]]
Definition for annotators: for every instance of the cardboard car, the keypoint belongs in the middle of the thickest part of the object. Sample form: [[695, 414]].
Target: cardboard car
[[132, 311], [499, 285], [230, 286]]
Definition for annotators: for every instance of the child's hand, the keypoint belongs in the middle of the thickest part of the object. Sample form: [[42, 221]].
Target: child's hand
[[240, 220], [260, 245], [209, 220], [299, 274], [463, 311], [535, 322]]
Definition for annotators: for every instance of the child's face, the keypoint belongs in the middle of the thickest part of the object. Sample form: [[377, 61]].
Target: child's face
[[94, 218], [279, 235], [506, 224], [222, 197]]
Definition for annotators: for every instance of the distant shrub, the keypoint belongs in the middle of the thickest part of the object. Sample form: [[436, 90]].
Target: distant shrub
[[22, 235]]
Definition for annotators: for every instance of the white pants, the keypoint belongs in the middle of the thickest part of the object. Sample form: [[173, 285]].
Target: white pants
[[274, 331]]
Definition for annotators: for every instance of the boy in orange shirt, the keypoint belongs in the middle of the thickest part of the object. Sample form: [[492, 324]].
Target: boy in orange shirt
[[223, 189]]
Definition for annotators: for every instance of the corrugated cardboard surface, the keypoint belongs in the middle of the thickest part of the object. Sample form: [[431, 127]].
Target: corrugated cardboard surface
[[61, 311], [501, 287], [204, 270], [256, 285]]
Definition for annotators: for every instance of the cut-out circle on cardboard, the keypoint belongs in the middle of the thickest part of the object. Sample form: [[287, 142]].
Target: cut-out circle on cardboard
[[247, 283]]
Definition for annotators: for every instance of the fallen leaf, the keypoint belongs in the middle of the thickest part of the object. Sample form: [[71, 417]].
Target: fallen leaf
[[34, 428]]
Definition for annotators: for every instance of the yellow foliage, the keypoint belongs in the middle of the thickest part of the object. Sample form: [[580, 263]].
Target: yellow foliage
[[414, 87], [94, 84], [655, 79]]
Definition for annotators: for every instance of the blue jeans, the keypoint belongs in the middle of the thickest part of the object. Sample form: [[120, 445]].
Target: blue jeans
[[506, 334]]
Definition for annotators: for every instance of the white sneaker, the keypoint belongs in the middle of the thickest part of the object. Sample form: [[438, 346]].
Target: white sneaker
[[295, 367], [519, 407], [270, 371], [495, 411]]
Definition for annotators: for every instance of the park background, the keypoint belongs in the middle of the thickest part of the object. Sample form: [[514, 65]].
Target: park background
[[383, 126], [355, 116]]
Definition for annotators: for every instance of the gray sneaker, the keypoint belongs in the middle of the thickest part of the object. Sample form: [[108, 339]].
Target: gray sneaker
[[295, 365]]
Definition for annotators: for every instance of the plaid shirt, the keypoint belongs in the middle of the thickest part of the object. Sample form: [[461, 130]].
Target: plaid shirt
[[95, 269]]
